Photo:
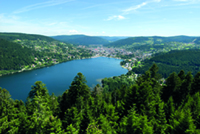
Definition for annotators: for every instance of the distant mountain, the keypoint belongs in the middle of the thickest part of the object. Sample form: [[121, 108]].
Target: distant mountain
[[22, 36], [113, 38], [135, 41], [81, 39], [197, 40]]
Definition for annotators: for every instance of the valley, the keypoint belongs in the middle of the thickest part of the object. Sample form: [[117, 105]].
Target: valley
[[156, 89]]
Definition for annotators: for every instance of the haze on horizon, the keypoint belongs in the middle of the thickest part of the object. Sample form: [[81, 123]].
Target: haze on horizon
[[101, 18]]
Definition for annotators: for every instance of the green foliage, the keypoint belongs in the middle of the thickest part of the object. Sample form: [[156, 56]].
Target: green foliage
[[173, 61], [143, 107], [135, 123], [13, 56]]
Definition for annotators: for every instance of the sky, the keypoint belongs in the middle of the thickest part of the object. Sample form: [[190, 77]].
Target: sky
[[101, 17]]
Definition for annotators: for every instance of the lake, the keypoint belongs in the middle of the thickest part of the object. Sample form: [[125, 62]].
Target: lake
[[58, 78]]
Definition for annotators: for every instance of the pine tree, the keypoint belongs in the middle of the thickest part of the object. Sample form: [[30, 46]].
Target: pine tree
[[186, 86], [9, 122], [40, 116], [181, 75], [74, 117], [105, 125], [136, 124], [172, 88], [196, 84], [182, 122], [93, 128]]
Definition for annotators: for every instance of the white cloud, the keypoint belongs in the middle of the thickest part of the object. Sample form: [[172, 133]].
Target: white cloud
[[117, 17], [73, 32], [189, 1], [156, 0], [16, 24], [183, 0], [134, 8], [41, 5]]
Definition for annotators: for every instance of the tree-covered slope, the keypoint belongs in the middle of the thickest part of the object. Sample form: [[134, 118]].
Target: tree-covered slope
[[22, 36], [81, 39], [137, 41], [172, 61], [13, 55], [197, 40], [113, 38]]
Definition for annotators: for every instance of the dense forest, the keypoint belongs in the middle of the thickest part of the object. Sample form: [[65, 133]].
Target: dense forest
[[173, 61], [81, 39], [22, 36], [13, 55], [145, 107]]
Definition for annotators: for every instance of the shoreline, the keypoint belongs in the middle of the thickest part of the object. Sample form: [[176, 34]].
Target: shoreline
[[29, 69]]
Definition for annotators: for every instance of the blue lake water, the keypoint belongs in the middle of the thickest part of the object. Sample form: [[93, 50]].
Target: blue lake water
[[58, 78]]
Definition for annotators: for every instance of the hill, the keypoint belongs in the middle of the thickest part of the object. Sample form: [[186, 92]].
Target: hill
[[22, 36], [173, 61], [81, 39], [136, 41], [40, 51], [113, 38], [197, 40], [13, 55]]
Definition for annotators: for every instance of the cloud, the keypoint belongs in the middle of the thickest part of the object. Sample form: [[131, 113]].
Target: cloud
[[73, 32], [134, 8], [117, 17], [12, 23], [189, 1], [184, 0], [41, 5]]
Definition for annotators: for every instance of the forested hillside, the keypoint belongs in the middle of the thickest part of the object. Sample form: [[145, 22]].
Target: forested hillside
[[26, 51], [81, 39], [197, 41], [173, 61], [13, 55], [146, 107], [22, 36], [113, 38], [135, 41]]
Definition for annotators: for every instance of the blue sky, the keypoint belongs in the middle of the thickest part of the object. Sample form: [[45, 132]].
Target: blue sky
[[101, 17]]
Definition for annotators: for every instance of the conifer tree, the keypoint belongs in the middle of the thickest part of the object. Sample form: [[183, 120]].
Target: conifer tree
[[169, 108], [196, 84], [172, 88], [194, 105], [136, 124], [93, 128], [78, 88], [74, 117], [182, 122], [40, 116], [186, 86], [105, 125], [181, 75], [9, 121]]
